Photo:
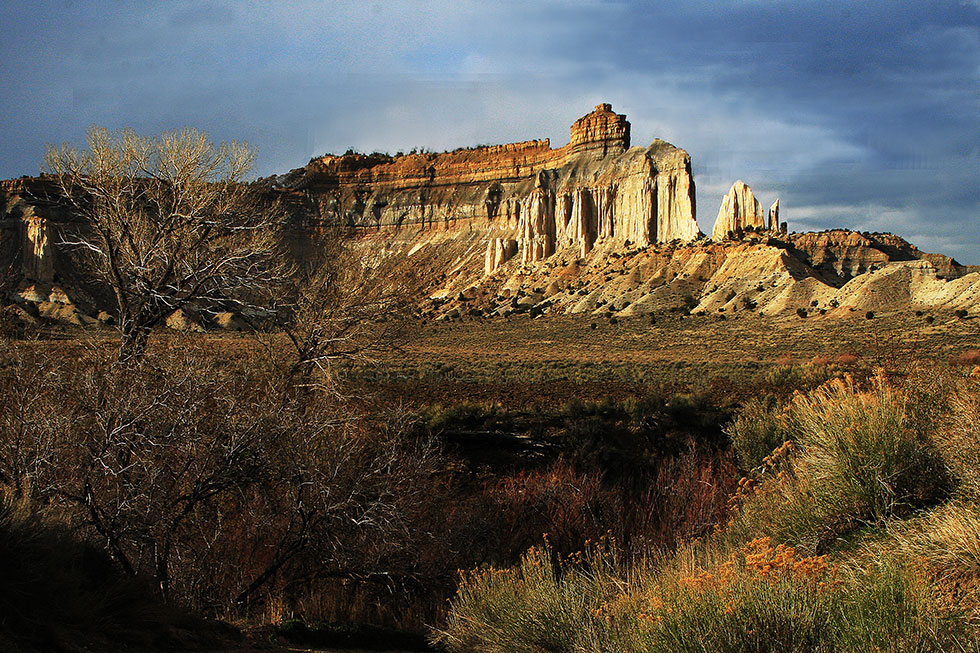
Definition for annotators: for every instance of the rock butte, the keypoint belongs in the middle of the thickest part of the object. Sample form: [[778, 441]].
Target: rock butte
[[527, 197], [595, 226]]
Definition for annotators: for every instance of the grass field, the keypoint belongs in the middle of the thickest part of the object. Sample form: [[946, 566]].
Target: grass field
[[553, 357]]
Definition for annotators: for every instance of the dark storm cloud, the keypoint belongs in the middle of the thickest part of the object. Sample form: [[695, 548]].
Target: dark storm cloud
[[862, 115]]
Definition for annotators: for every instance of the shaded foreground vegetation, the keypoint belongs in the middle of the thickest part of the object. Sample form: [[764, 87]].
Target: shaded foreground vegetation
[[337, 505], [287, 481], [209, 483], [856, 531]]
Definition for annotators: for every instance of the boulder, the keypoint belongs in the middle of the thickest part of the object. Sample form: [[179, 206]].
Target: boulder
[[60, 312], [229, 321], [181, 320]]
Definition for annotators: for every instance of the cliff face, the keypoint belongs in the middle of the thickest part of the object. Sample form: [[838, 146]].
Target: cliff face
[[740, 209], [27, 226], [526, 198], [848, 253]]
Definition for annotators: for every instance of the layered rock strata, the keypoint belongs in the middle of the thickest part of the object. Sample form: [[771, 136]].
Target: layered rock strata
[[595, 189], [596, 226]]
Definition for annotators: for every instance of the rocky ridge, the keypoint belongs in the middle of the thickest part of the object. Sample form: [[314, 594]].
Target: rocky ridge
[[596, 226]]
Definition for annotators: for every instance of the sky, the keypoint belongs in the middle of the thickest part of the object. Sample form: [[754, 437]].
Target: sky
[[862, 115]]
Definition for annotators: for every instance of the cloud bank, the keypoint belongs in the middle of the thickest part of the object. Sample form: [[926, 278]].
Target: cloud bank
[[855, 115]]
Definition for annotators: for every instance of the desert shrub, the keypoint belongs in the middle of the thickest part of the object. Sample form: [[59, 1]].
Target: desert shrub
[[785, 377], [570, 505], [948, 539], [759, 597], [958, 434], [815, 558], [861, 458], [860, 447], [531, 607], [604, 407], [759, 427], [461, 414], [890, 601]]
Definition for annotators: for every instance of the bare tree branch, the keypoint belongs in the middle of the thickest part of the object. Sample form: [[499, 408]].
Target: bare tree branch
[[165, 222]]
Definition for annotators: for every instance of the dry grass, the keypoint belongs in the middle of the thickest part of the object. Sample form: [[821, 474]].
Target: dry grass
[[861, 532], [762, 596]]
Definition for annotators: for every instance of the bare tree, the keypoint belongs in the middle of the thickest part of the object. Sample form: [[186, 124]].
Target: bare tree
[[333, 306], [164, 222], [189, 471]]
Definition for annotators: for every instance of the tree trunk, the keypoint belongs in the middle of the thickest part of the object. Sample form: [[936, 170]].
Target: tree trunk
[[132, 346]]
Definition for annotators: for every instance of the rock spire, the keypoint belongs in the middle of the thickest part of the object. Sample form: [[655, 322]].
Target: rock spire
[[739, 209]]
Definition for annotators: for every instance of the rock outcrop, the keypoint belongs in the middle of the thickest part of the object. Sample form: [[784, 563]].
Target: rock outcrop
[[739, 209], [774, 225], [595, 189], [601, 132], [596, 226], [499, 251], [27, 225]]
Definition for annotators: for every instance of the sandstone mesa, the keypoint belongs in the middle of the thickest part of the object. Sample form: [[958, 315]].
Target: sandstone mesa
[[595, 226]]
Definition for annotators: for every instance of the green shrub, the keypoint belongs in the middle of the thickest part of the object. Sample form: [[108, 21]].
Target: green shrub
[[462, 414], [891, 605], [785, 375], [860, 457], [958, 434], [948, 539], [758, 428], [862, 453], [760, 597], [529, 608]]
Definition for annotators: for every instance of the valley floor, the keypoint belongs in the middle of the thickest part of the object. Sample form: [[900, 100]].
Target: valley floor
[[474, 356]]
